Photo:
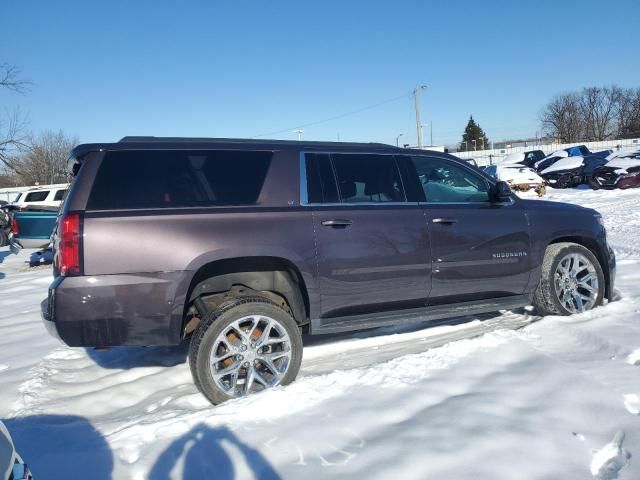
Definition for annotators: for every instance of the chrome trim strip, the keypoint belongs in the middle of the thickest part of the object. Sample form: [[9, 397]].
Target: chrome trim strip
[[356, 204], [383, 269]]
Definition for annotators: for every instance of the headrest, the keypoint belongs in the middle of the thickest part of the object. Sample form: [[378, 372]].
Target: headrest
[[347, 189]]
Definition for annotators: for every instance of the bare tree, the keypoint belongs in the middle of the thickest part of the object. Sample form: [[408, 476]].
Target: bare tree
[[594, 114], [44, 161], [562, 118], [10, 78], [628, 121], [599, 107], [13, 125]]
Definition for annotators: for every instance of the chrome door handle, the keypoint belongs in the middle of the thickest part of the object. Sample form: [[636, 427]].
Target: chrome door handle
[[340, 222], [444, 221]]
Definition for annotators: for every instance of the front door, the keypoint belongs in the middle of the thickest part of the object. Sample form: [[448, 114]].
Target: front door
[[479, 248], [372, 245]]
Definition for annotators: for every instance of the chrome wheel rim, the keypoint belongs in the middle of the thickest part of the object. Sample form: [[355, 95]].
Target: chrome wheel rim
[[250, 355], [576, 283]]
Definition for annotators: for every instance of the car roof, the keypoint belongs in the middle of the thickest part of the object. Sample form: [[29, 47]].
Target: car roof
[[193, 143]]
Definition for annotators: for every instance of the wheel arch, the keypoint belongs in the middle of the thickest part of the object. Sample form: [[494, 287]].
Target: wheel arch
[[260, 273]]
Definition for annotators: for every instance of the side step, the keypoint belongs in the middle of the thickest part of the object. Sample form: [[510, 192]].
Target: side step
[[399, 317]]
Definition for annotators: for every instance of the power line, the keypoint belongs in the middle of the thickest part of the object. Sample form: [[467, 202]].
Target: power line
[[299, 127]]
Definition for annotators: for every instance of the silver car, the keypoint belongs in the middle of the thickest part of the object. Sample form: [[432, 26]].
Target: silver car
[[11, 465]]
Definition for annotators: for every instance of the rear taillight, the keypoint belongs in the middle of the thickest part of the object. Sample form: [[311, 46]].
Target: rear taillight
[[69, 245], [15, 227]]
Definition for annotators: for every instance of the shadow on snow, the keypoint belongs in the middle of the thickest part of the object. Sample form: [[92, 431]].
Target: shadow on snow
[[61, 446], [210, 452]]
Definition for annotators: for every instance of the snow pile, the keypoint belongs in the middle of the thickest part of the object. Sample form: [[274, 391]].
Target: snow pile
[[566, 163], [608, 461], [625, 153], [499, 396], [624, 163], [512, 158]]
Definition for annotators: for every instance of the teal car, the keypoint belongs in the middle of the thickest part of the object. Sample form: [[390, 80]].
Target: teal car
[[32, 228]]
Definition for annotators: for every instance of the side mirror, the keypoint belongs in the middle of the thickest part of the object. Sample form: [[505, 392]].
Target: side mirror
[[502, 192]]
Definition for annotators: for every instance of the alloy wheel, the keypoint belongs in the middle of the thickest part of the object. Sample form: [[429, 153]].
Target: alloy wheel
[[576, 283], [252, 354]]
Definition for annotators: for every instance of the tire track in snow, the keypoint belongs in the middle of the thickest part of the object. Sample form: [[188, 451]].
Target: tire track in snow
[[69, 380]]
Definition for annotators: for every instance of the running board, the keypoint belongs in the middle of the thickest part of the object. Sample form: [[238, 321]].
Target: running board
[[414, 315]]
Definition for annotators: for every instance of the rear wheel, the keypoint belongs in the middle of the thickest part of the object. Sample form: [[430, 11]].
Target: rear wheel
[[246, 346], [572, 281]]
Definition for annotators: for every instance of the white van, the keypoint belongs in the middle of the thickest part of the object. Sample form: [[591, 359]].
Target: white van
[[45, 196]]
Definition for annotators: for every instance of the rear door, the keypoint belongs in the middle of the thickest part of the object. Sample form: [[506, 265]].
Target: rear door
[[372, 244], [479, 249]]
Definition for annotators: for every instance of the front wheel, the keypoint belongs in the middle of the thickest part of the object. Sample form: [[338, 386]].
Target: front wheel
[[246, 346], [572, 281]]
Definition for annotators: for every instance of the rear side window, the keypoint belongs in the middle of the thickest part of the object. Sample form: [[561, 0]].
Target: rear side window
[[37, 196], [59, 195], [368, 178], [172, 178]]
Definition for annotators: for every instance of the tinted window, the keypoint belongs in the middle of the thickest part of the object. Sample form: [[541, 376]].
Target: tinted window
[[166, 179], [368, 178], [445, 182], [59, 194], [37, 196], [321, 183]]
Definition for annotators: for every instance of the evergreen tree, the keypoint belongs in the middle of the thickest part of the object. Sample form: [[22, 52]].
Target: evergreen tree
[[473, 132]]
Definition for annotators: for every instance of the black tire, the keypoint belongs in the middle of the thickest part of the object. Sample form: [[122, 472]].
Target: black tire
[[215, 322], [545, 299]]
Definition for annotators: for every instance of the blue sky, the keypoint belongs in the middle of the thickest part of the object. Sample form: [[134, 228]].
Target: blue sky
[[102, 70]]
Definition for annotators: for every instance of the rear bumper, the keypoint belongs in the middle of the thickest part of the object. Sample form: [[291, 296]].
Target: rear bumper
[[111, 310], [17, 244], [49, 324]]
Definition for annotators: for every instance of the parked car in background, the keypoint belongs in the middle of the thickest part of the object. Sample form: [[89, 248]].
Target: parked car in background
[[12, 467], [518, 176], [32, 228], [46, 196], [242, 245], [576, 151], [528, 159], [5, 225], [549, 160], [569, 172], [470, 161], [621, 171]]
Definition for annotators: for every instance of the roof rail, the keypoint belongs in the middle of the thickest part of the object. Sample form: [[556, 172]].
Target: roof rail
[[152, 139]]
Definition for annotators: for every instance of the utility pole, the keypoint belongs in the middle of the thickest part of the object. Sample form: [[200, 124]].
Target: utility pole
[[299, 132], [416, 98]]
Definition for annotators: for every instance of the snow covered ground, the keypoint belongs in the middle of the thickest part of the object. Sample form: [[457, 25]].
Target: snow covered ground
[[493, 397]]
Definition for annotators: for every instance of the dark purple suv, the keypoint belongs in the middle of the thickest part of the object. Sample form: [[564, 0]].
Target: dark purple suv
[[241, 245]]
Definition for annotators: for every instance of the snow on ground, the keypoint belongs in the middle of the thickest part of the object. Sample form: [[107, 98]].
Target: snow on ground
[[495, 397]]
